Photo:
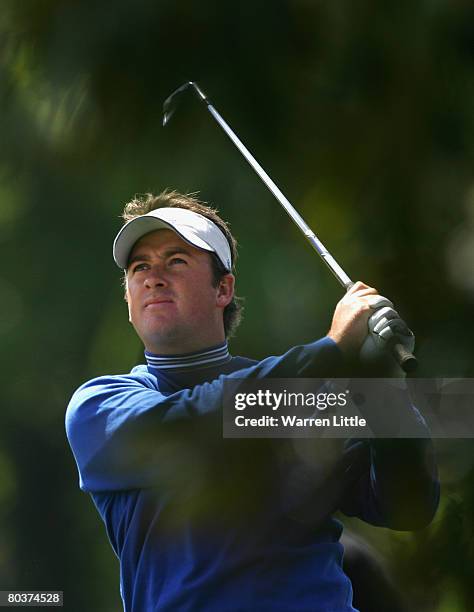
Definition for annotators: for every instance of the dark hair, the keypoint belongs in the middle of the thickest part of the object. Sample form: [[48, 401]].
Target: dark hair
[[143, 204]]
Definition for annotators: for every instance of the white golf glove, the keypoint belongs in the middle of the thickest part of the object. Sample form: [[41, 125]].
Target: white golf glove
[[384, 325]]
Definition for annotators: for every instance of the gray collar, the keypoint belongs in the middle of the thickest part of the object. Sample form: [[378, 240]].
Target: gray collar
[[214, 356]]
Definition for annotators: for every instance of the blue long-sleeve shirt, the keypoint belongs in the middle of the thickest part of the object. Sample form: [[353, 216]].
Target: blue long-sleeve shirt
[[202, 523]]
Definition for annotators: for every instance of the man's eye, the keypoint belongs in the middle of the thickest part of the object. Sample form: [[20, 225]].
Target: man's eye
[[175, 260], [139, 267]]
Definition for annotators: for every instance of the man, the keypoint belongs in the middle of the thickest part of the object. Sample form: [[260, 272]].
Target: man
[[202, 523]]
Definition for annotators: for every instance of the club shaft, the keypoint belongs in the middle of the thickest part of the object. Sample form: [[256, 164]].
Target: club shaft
[[310, 236], [403, 357]]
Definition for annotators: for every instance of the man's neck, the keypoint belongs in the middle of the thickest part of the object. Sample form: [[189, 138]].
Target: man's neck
[[185, 346]]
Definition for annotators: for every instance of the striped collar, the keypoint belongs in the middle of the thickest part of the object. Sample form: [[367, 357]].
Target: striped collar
[[216, 355]]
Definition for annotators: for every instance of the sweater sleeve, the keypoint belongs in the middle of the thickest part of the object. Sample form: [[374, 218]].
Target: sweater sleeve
[[121, 427], [391, 482]]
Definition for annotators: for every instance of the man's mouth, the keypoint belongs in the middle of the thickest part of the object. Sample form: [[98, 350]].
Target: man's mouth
[[156, 303]]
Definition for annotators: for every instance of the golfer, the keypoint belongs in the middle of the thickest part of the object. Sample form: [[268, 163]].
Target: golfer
[[202, 523]]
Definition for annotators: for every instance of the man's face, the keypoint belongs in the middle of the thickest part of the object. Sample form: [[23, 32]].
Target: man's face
[[172, 303]]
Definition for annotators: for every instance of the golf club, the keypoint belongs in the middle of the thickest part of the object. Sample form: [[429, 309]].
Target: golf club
[[404, 357]]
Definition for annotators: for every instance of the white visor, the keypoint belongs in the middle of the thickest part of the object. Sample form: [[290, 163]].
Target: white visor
[[190, 226]]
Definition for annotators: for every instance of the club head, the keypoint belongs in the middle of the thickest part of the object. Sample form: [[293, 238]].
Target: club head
[[171, 102]]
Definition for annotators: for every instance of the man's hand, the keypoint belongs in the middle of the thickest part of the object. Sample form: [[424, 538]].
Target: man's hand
[[364, 323], [350, 323], [385, 327]]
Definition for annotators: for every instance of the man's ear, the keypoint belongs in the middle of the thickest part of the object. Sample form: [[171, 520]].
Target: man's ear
[[225, 290], [125, 297]]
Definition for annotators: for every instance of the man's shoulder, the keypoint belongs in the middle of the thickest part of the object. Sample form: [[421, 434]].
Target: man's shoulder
[[109, 384], [240, 363], [138, 375]]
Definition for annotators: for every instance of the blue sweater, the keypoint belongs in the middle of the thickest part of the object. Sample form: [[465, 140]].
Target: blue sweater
[[205, 524]]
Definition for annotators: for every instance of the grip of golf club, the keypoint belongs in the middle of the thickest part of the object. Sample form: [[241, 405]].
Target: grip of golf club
[[406, 360]]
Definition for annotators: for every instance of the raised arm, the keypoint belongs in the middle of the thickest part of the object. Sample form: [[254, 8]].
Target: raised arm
[[121, 427]]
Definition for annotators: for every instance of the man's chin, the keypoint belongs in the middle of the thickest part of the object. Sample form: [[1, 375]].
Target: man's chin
[[165, 342]]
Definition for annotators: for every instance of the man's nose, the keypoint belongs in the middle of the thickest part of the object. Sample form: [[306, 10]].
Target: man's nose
[[156, 277]]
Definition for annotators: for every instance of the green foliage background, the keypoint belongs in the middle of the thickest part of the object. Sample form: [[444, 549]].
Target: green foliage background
[[363, 114]]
